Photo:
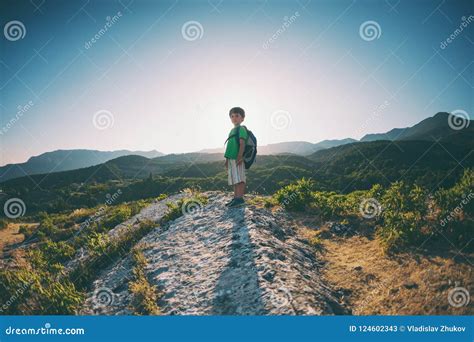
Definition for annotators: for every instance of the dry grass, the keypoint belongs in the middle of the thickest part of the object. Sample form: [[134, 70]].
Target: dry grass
[[10, 235], [408, 284], [370, 282]]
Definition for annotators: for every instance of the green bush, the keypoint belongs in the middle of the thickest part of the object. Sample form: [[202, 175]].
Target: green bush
[[296, 196], [46, 229], [177, 209], [455, 210], [404, 216], [57, 252], [144, 295], [116, 248], [35, 289], [3, 223], [97, 243], [116, 215], [27, 231]]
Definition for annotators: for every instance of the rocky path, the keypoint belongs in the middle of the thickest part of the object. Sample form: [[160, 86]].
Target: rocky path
[[220, 261]]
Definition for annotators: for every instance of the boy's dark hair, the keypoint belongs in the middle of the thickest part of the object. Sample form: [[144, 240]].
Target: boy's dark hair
[[237, 110]]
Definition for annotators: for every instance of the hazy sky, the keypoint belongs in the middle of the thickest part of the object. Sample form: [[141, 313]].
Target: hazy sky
[[163, 74]]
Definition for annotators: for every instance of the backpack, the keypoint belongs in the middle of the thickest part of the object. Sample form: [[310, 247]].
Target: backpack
[[250, 151]]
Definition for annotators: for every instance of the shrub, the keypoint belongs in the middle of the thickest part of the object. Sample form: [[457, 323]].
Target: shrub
[[3, 223], [404, 216], [116, 215], [455, 210], [174, 211], [177, 209], [295, 196], [144, 295], [35, 289], [27, 231], [116, 248], [97, 243], [46, 229], [57, 252]]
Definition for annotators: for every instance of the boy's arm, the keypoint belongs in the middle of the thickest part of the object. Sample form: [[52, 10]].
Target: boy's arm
[[241, 151]]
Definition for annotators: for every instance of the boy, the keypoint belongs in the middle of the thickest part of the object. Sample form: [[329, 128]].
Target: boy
[[234, 152]]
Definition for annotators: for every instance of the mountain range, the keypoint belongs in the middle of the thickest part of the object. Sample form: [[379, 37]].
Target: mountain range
[[139, 164], [63, 160]]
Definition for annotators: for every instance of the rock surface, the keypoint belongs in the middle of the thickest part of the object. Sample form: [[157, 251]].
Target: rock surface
[[220, 261]]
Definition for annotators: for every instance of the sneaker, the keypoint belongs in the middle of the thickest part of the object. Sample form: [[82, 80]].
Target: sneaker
[[230, 202], [236, 202]]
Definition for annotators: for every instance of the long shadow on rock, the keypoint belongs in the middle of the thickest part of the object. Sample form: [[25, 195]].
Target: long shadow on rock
[[237, 291]]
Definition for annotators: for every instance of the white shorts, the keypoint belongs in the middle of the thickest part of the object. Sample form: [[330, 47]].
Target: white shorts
[[235, 173]]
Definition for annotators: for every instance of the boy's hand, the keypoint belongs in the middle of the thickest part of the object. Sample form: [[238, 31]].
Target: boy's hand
[[227, 163], [239, 160]]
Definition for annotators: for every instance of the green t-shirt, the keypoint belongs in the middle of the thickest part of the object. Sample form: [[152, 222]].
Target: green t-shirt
[[232, 150]]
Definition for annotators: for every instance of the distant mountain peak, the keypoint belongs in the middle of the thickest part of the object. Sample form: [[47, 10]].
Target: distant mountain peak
[[64, 160], [429, 129]]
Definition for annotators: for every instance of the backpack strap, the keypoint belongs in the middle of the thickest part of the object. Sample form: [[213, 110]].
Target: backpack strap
[[237, 135], [233, 135]]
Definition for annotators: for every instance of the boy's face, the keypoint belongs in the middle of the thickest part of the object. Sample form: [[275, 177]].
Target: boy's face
[[236, 118]]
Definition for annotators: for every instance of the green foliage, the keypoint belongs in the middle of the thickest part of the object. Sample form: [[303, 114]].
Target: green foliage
[[331, 205], [161, 197], [3, 223], [174, 211], [34, 289], [408, 215], [27, 231], [46, 229], [295, 196], [57, 252], [97, 243], [177, 209], [455, 215], [116, 215], [116, 248], [404, 216], [144, 295]]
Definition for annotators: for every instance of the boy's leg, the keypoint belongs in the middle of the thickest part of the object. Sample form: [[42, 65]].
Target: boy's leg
[[240, 189]]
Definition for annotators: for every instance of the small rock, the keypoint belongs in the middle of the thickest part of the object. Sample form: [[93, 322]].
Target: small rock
[[269, 275], [393, 290], [410, 284], [357, 268], [369, 277]]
